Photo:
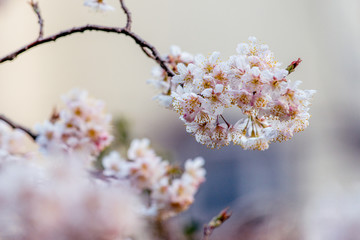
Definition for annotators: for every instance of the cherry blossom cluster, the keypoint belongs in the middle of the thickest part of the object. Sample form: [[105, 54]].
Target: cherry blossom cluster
[[60, 202], [80, 127], [272, 107], [160, 79], [61, 198], [12, 144], [147, 172]]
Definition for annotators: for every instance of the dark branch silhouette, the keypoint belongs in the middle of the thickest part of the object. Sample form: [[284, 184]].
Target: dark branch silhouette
[[17, 126], [145, 46]]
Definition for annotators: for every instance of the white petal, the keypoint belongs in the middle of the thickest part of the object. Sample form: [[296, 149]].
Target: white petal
[[175, 50], [214, 57], [219, 88], [207, 92]]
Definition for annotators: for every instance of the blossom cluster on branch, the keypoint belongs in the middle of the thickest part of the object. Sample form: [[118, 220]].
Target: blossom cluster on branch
[[80, 127], [62, 179], [12, 144], [147, 172], [59, 193], [272, 107]]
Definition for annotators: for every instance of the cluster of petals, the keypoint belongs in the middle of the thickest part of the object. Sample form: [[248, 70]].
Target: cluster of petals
[[160, 79], [12, 143], [272, 107], [81, 127], [60, 202], [100, 5], [169, 194], [62, 199]]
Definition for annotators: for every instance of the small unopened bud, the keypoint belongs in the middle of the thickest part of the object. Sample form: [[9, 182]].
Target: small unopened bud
[[293, 65], [220, 219], [216, 222]]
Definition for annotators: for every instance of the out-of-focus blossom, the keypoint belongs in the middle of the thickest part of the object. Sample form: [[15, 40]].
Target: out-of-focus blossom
[[12, 143], [114, 165], [59, 202], [80, 128], [140, 148], [99, 5], [147, 172], [253, 81], [181, 191], [194, 171]]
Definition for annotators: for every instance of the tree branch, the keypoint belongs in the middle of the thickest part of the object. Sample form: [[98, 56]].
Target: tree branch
[[147, 48], [138, 40], [147, 53], [128, 15], [36, 8], [17, 126]]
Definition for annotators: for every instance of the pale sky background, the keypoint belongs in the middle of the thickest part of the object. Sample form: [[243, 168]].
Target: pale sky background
[[324, 33]]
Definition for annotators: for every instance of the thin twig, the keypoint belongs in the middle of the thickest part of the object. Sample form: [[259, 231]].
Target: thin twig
[[36, 8], [142, 43], [228, 124], [17, 126], [128, 15], [216, 222]]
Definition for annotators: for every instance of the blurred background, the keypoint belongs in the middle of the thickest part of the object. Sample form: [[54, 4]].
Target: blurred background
[[306, 188]]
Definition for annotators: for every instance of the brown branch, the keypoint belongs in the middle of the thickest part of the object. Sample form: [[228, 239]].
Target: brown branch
[[138, 40], [147, 48], [216, 222], [17, 126], [147, 53], [36, 8], [128, 15]]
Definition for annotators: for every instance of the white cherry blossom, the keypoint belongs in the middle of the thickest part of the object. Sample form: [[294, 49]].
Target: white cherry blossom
[[140, 148], [252, 81], [99, 5], [81, 127], [169, 193]]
